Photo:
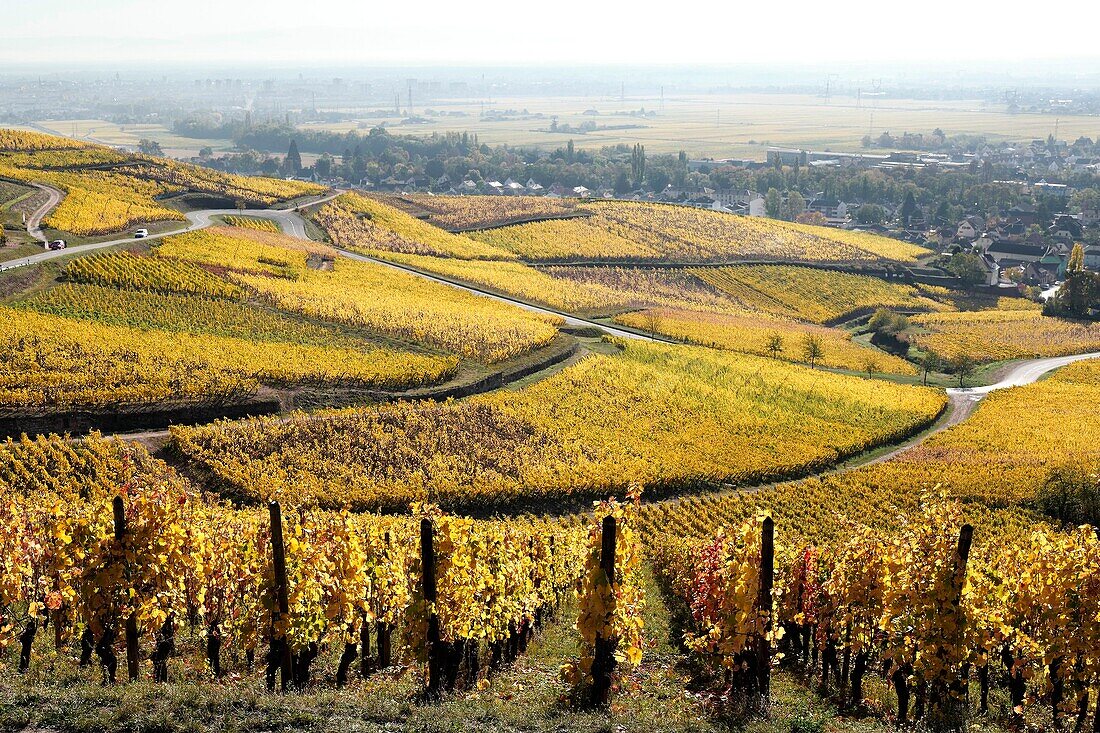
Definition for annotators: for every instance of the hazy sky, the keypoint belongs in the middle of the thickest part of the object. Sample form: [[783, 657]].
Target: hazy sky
[[524, 32]]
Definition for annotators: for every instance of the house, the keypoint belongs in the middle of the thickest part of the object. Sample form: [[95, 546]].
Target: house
[[992, 269], [1007, 253], [1092, 257], [757, 206], [970, 228], [533, 186], [1036, 274], [1026, 215], [830, 207], [581, 192], [1065, 227], [1042, 188]]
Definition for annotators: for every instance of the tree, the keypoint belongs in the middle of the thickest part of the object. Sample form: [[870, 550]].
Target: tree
[[811, 349], [773, 204], [622, 184], [206, 152], [324, 165], [1071, 494], [292, 164], [871, 366], [888, 323], [963, 366], [149, 147], [775, 344], [653, 321], [1080, 293], [870, 214], [1076, 262], [794, 206], [909, 208], [1087, 199], [930, 362], [967, 267], [813, 218]]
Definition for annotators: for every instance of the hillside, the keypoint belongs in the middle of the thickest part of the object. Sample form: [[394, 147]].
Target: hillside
[[358, 471]]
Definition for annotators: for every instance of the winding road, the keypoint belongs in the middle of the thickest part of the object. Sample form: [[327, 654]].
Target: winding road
[[963, 400], [287, 219], [293, 225]]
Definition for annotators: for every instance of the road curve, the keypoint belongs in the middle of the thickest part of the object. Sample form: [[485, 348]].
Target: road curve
[[570, 320], [287, 219], [34, 221]]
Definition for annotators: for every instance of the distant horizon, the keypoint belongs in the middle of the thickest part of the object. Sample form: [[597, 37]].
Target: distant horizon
[[343, 33]]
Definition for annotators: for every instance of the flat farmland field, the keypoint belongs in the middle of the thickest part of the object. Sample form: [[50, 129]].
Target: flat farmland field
[[725, 125], [111, 133]]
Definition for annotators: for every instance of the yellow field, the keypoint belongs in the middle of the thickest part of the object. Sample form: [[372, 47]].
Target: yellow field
[[252, 222], [995, 462], [1000, 334], [665, 416], [750, 334], [578, 290], [110, 200], [475, 212], [364, 295], [619, 230], [54, 363], [812, 295], [363, 224]]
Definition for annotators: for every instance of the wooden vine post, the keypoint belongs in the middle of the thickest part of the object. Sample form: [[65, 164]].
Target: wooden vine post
[[280, 646], [962, 556], [764, 601], [428, 587], [383, 630], [603, 664], [133, 653]]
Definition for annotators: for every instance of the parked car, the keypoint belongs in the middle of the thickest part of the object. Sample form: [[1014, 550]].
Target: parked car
[[57, 244], [141, 234]]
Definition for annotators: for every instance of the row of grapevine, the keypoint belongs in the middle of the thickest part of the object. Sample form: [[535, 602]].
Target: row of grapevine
[[119, 575], [918, 605]]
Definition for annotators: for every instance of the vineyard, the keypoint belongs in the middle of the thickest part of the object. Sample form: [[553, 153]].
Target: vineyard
[[579, 289], [252, 222], [667, 418], [653, 232], [55, 364], [774, 560], [304, 277], [123, 190], [123, 553], [813, 295], [366, 225], [151, 274], [1003, 334], [462, 213], [765, 336]]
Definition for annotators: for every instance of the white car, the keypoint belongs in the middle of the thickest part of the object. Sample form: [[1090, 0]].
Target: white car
[[141, 234], [57, 244]]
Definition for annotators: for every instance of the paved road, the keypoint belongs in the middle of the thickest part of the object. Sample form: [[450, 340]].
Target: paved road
[[287, 219], [34, 221], [569, 319]]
